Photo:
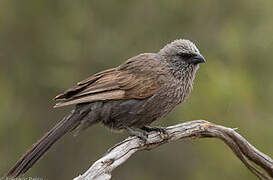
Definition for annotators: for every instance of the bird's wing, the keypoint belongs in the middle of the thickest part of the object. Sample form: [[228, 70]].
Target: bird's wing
[[137, 78]]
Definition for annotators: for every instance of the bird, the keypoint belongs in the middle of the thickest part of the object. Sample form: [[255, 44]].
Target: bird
[[128, 97]]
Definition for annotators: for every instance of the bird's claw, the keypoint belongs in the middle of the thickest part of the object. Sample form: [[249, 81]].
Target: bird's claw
[[162, 131], [142, 135]]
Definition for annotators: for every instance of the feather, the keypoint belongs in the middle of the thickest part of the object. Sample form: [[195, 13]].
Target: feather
[[109, 95], [129, 80]]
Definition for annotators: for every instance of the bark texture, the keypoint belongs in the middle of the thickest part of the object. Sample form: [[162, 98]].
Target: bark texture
[[258, 163]]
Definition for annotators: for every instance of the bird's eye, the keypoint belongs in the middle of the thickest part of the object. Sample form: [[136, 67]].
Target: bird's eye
[[186, 55]]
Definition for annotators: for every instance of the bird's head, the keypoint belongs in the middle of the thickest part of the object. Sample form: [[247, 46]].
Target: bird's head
[[182, 53]]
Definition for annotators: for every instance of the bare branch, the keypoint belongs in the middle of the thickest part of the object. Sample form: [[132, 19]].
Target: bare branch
[[258, 163]]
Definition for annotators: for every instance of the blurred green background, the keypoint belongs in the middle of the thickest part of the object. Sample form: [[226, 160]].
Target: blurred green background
[[47, 46]]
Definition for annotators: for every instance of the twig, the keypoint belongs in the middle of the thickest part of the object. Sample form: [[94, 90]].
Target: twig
[[248, 154]]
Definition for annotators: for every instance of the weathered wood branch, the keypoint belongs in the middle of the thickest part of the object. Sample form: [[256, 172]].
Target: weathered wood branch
[[258, 163]]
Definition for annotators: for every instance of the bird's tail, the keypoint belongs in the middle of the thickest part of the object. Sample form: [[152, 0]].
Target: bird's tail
[[40, 147]]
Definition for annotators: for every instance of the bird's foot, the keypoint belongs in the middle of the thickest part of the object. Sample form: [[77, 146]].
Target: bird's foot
[[133, 132], [162, 131]]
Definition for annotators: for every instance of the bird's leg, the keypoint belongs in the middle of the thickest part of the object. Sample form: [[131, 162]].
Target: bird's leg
[[161, 130], [133, 132]]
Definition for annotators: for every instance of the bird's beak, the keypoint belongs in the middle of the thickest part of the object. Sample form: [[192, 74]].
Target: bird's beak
[[198, 58]]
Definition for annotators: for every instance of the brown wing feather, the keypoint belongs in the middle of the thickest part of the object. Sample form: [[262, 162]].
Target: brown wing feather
[[138, 78], [97, 75], [83, 84]]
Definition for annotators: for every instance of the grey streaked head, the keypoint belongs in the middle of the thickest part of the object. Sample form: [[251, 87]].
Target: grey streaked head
[[182, 51], [183, 59]]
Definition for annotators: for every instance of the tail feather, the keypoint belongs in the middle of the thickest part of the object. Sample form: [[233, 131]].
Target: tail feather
[[40, 147]]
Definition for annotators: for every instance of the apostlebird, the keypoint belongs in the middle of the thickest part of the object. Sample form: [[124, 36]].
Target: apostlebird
[[128, 97]]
